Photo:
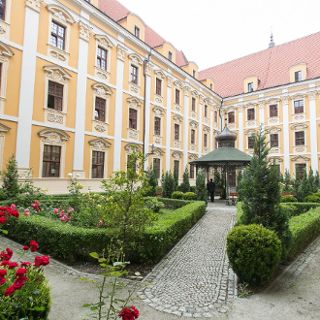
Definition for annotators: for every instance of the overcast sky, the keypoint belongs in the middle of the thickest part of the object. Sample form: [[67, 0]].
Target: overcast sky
[[211, 32]]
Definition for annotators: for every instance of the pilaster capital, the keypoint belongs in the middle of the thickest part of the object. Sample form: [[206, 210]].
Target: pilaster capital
[[186, 90], [85, 31], [34, 4], [121, 52], [285, 99], [312, 95]]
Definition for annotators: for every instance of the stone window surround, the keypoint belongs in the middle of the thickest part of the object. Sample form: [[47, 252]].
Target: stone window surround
[[103, 145], [3, 131], [105, 43], [64, 18], [5, 24], [53, 137], [134, 103]]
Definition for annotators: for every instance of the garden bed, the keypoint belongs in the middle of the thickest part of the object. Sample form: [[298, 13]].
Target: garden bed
[[71, 243]]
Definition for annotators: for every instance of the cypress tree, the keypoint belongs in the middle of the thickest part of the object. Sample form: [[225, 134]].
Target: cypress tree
[[185, 185], [10, 186]]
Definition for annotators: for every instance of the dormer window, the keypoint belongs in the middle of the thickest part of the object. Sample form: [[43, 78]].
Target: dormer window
[[2, 9], [298, 76], [170, 55], [211, 86], [250, 86], [137, 31], [194, 73]]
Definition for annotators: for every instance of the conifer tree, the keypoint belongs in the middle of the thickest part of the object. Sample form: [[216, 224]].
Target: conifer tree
[[152, 182], [168, 184], [201, 189], [10, 186], [185, 185]]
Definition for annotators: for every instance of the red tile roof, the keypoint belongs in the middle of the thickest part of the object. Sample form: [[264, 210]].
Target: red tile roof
[[271, 66], [117, 12]]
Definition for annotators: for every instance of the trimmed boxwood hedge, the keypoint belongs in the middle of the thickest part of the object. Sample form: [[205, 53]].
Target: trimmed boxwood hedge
[[71, 243]]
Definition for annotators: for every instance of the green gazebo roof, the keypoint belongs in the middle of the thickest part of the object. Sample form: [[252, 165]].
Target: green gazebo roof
[[223, 156]]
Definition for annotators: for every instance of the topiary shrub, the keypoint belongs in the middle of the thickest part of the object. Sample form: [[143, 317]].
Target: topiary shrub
[[177, 195], [288, 198], [254, 253], [315, 197], [189, 196]]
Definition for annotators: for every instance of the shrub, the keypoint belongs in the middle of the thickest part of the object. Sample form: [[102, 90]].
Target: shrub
[[288, 198], [10, 186], [297, 208], [159, 191], [152, 182], [177, 195], [173, 203], [201, 189], [312, 198], [168, 184], [189, 196], [185, 185], [154, 204], [304, 228], [254, 253]]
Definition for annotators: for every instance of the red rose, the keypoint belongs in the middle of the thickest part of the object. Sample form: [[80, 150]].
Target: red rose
[[25, 263], [41, 261], [2, 281], [9, 291], [129, 313], [12, 265], [21, 272], [3, 220], [34, 246], [3, 272], [6, 255], [19, 282], [25, 248]]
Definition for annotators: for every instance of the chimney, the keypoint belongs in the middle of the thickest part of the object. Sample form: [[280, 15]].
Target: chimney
[[271, 43]]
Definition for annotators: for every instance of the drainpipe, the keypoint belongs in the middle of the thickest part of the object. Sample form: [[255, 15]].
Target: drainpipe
[[145, 62], [220, 114]]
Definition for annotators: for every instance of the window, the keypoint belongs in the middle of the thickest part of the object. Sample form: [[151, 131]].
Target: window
[[97, 164], [133, 115], [170, 55], [191, 171], [250, 86], [274, 140], [100, 109], [176, 169], [176, 131], [193, 104], [298, 106], [205, 140], [156, 167], [134, 74], [299, 138], [177, 96], [211, 86], [206, 111], [137, 31], [51, 161], [273, 110], [193, 136], [2, 9], [157, 126], [216, 116], [58, 35], [231, 117], [250, 114], [102, 55], [158, 86], [300, 170], [55, 96], [194, 73], [298, 76], [251, 142]]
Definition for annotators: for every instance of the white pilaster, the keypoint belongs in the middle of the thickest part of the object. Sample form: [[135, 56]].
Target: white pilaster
[[186, 126], [78, 157], [147, 122], [168, 125], [286, 147], [240, 122], [200, 133], [313, 133], [121, 52], [261, 114], [26, 95]]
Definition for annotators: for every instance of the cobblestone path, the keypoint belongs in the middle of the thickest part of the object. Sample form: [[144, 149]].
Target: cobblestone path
[[195, 279]]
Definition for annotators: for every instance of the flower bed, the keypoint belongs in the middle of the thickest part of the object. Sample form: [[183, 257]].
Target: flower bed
[[71, 243]]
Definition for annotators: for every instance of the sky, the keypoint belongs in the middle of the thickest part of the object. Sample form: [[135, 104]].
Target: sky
[[211, 32]]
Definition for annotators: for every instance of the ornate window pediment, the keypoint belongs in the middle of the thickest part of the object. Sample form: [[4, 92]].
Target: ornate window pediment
[[158, 111], [5, 51], [193, 124], [299, 126], [206, 129], [102, 90], [159, 74], [273, 130], [178, 118], [195, 93], [4, 128], [192, 157], [132, 147], [61, 14], [178, 84], [300, 158], [99, 144], [56, 73], [177, 154], [53, 136], [134, 102], [157, 152], [104, 41], [135, 59]]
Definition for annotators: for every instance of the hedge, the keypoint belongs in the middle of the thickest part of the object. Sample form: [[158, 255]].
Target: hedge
[[174, 203], [71, 243], [304, 229]]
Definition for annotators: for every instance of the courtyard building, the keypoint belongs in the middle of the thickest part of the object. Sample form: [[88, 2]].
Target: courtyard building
[[83, 82]]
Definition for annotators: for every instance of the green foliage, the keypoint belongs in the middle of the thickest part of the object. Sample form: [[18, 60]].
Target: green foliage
[[126, 193], [304, 228], [32, 301], [254, 253], [173, 203], [260, 193], [315, 197], [168, 184], [219, 180], [74, 189], [177, 195], [287, 182], [10, 185], [288, 198], [201, 189], [71, 243], [185, 185], [152, 182], [189, 196], [296, 208], [154, 204]]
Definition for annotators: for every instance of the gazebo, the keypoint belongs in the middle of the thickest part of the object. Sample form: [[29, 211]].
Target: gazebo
[[226, 156]]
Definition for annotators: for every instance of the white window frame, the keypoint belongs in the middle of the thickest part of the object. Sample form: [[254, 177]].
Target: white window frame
[[105, 43], [5, 55], [103, 145]]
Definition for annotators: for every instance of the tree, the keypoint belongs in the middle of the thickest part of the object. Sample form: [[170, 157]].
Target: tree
[[152, 181], [201, 189], [10, 186], [317, 180], [127, 211], [185, 185], [287, 182], [168, 184], [260, 192]]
